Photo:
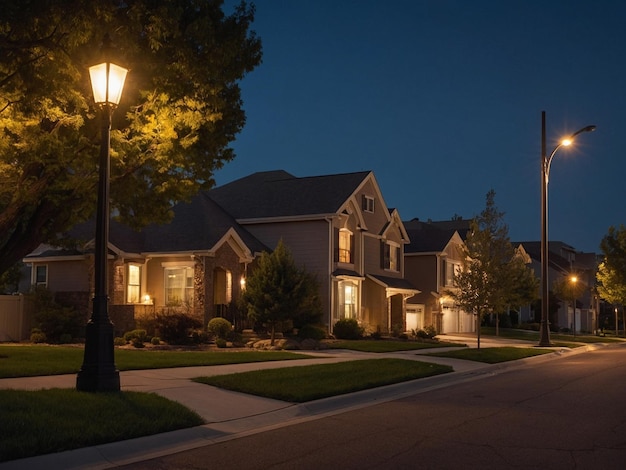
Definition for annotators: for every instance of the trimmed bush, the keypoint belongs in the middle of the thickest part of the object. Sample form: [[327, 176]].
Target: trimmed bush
[[119, 341], [136, 336], [37, 336], [221, 343], [220, 328], [155, 341], [176, 328], [312, 332], [347, 328]]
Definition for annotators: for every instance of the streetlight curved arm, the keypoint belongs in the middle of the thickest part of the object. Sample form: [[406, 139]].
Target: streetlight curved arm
[[564, 143]]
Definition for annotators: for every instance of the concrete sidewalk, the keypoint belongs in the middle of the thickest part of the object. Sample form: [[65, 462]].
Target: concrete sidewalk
[[229, 415]]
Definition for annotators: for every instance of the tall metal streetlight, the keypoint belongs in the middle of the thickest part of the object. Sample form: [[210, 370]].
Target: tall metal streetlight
[[98, 372], [546, 161]]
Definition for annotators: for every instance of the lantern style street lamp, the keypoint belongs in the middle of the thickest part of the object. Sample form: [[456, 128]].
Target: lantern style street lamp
[[546, 161], [98, 372]]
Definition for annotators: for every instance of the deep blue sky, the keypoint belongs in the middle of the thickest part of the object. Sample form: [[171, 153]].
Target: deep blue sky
[[442, 100]]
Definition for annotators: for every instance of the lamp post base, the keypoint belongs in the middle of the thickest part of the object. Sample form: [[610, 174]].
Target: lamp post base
[[98, 372]]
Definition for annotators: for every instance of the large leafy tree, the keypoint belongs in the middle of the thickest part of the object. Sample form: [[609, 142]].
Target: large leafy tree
[[493, 275], [180, 109], [611, 274], [278, 291]]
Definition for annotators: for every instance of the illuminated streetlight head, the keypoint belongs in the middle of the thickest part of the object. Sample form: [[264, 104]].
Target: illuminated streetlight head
[[573, 279], [566, 142], [107, 79]]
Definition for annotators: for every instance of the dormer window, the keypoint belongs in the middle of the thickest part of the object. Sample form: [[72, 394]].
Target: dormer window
[[368, 203], [390, 259]]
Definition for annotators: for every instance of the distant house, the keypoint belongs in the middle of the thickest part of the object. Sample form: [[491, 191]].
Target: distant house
[[432, 258], [563, 262], [336, 226]]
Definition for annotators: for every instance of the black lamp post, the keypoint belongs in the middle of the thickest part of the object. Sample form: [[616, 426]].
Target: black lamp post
[[98, 372], [544, 337]]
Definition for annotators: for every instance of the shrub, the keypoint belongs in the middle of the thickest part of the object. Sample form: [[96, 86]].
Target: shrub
[[65, 338], [136, 335], [176, 328], [312, 332], [155, 341], [37, 336], [221, 343], [347, 328], [119, 341], [53, 319], [138, 343], [220, 328], [431, 331]]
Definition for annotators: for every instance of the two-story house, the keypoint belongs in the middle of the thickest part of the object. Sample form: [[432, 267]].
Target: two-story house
[[432, 258], [336, 226]]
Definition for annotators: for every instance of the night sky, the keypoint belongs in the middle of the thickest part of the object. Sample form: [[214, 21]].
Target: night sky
[[442, 100]]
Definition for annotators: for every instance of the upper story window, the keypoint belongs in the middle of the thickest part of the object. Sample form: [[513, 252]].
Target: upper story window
[[345, 246], [391, 256], [451, 269], [368, 203], [133, 284]]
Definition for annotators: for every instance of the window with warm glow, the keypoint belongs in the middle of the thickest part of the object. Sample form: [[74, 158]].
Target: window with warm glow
[[178, 285], [345, 246], [133, 285], [348, 291]]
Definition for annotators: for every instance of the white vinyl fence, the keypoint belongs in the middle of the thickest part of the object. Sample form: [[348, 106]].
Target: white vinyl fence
[[16, 318]]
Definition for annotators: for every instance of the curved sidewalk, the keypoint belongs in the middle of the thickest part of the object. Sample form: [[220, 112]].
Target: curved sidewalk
[[230, 415]]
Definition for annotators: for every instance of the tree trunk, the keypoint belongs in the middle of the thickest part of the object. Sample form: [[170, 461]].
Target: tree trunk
[[272, 334]]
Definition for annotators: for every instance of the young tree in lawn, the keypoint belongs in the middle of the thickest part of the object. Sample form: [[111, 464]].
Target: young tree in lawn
[[492, 276], [180, 110], [278, 291], [611, 274]]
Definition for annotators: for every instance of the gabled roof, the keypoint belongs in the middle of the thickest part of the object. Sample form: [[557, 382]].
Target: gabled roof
[[426, 237], [274, 194], [198, 226]]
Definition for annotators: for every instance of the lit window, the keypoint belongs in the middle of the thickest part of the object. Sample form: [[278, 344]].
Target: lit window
[[452, 269], [345, 246], [347, 299], [133, 286], [178, 285]]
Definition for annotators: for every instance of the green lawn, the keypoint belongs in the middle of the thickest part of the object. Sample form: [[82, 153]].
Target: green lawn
[[304, 383], [533, 336], [383, 346], [55, 420], [493, 355], [34, 360]]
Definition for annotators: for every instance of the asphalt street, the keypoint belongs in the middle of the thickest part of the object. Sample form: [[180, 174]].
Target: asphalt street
[[568, 413]]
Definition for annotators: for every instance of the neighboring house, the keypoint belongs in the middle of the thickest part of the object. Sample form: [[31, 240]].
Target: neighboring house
[[339, 228], [198, 262], [432, 258], [563, 261], [336, 226]]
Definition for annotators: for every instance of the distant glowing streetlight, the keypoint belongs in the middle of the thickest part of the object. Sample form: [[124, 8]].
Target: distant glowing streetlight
[[546, 161], [98, 372], [573, 280]]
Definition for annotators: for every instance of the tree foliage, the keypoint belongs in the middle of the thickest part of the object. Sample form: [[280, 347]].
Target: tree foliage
[[278, 291], [611, 274], [493, 274], [180, 109]]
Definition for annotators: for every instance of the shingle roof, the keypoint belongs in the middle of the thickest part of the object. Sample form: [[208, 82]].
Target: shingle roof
[[280, 194], [426, 237], [196, 226]]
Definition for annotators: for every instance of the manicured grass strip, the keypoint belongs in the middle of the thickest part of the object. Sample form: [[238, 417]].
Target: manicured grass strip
[[527, 335], [381, 346], [54, 420], [493, 355], [30, 361], [305, 383]]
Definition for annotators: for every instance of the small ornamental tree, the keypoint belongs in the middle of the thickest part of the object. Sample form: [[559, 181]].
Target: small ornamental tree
[[493, 276], [278, 291]]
